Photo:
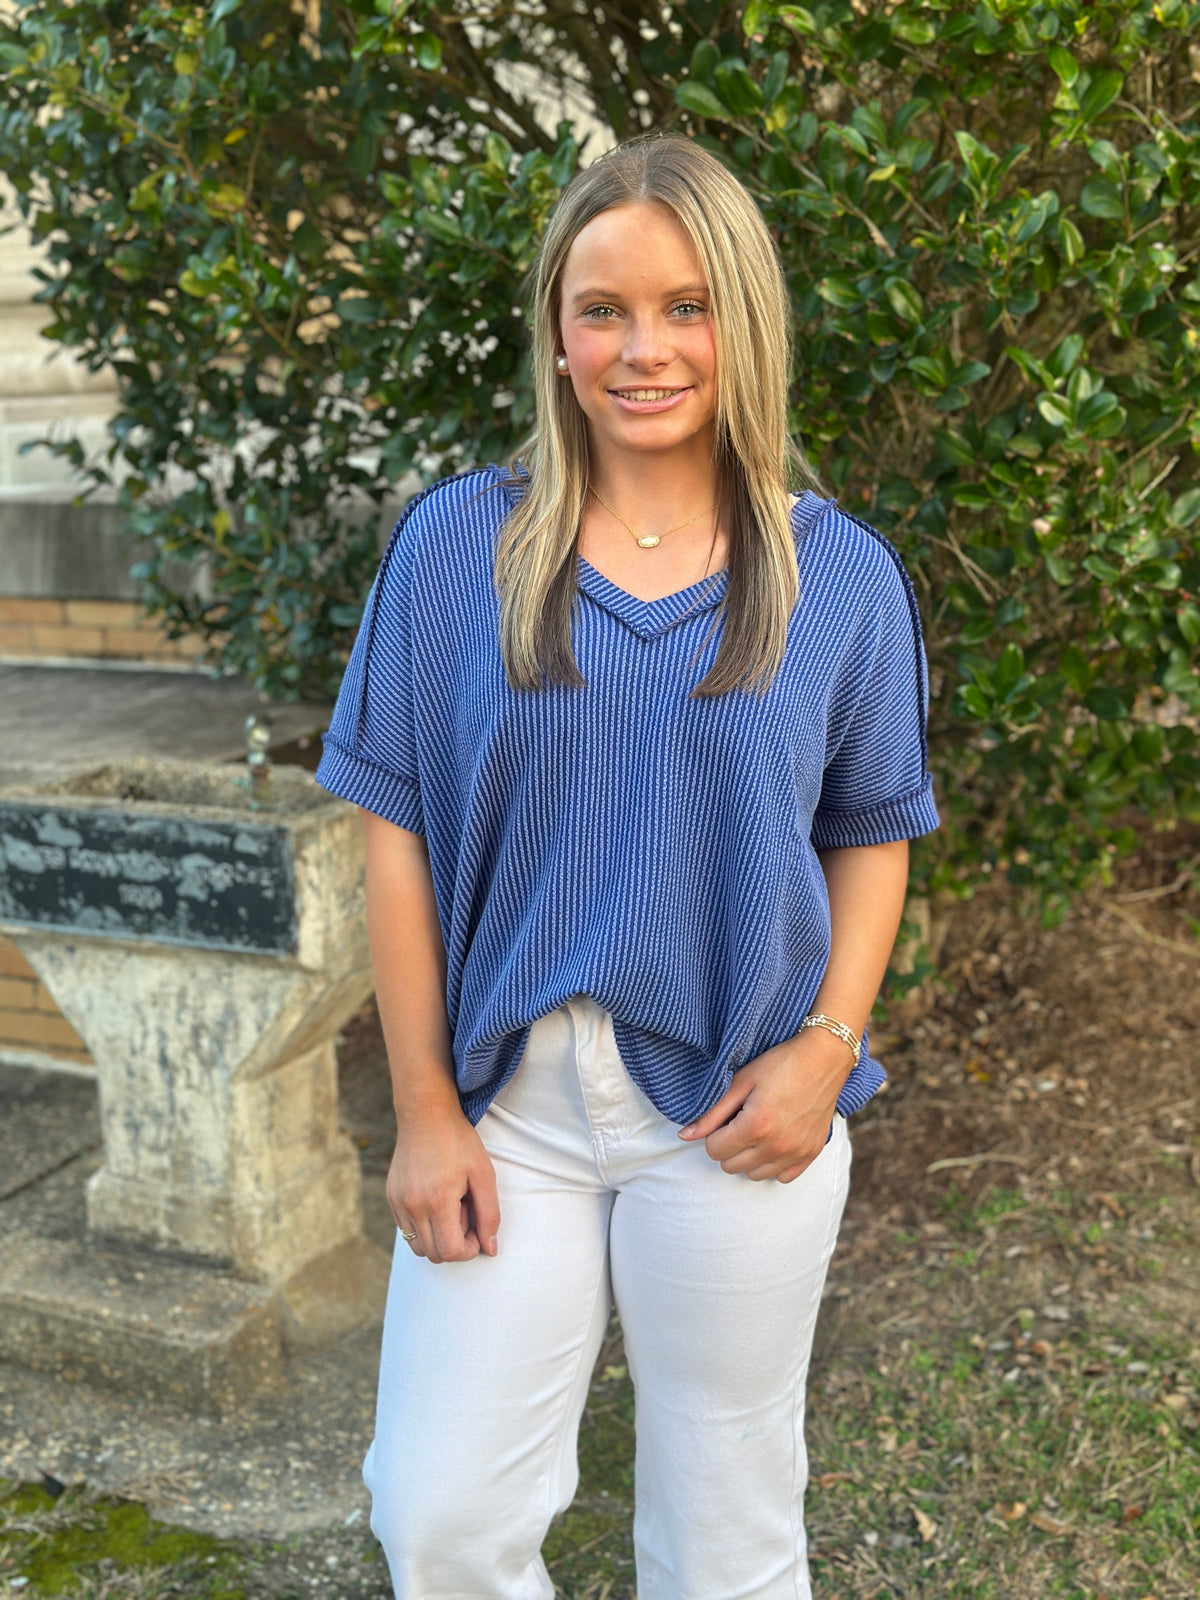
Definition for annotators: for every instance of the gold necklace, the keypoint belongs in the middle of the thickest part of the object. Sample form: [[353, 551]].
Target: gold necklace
[[647, 541]]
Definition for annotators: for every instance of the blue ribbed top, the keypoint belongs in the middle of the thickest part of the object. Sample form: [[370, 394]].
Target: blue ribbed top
[[622, 840]]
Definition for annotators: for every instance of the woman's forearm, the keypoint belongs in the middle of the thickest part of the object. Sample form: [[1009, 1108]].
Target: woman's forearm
[[866, 887], [408, 958]]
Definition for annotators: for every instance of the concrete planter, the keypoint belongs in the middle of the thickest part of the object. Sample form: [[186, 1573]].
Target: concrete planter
[[207, 953]]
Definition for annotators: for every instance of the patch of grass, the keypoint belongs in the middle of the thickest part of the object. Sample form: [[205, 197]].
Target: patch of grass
[[1066, 1471], [87, 1544], [993, 1204]]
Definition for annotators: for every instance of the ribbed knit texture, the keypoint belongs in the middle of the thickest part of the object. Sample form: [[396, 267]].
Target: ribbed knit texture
[[621, 840]]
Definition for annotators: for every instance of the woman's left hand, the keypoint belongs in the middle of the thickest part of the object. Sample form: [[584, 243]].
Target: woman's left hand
[[774, 1119]]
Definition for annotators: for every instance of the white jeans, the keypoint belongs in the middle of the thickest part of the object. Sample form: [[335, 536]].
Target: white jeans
[[486, 1363]]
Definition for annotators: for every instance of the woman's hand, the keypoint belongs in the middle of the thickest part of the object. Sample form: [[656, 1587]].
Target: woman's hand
[[774, 1119], [442, 1183]]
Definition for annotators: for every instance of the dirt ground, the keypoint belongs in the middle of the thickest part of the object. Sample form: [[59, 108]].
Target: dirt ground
[[1005, 1398]]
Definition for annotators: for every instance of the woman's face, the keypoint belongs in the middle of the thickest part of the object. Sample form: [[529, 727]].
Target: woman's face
[[636, 328]]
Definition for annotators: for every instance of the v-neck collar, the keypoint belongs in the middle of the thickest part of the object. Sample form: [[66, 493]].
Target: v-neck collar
[[649, 618]]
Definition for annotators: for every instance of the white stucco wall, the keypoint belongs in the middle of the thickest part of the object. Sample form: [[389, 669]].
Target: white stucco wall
[[43, 388]]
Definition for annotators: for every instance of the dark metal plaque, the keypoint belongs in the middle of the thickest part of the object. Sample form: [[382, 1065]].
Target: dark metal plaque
[[124, 875]]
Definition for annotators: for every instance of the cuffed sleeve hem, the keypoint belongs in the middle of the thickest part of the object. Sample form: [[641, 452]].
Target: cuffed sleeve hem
[[385, 793], [866, 1079], [905, 817]]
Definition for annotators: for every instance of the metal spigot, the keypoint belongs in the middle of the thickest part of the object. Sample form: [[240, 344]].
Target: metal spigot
[[257, 780]]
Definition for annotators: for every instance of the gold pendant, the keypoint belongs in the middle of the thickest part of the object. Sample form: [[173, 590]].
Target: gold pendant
[[649, 540]]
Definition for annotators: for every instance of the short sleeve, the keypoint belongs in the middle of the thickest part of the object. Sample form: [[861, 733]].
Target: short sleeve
[[370, 750], [876, 786]]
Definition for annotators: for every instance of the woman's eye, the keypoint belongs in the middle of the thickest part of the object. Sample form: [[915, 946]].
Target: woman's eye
[[691, 308], [600, 313]]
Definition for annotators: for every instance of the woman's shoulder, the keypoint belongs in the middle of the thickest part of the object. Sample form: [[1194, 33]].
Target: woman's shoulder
[[848, 549], [445, 530], [457, 501]]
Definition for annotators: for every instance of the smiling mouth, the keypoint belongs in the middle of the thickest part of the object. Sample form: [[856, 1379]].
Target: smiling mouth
[[648, 394]]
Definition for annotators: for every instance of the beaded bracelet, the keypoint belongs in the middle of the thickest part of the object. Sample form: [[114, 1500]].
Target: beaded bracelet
[[818, 1019]]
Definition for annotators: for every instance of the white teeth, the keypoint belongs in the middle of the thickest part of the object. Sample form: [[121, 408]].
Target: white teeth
[[647, 394]]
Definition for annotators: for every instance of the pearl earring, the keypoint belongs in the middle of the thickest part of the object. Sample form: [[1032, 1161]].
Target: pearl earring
[[562, 364]]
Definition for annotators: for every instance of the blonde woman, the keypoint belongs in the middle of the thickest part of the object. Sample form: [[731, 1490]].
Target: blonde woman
[[639, 741]]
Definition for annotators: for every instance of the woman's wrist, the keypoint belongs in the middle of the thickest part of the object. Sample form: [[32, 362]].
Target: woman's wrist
[[423, 1092], [823, 1054], [836, 1028]]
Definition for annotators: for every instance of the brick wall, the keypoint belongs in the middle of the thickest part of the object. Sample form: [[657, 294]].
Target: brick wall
[[29, 1019], [93, 628]]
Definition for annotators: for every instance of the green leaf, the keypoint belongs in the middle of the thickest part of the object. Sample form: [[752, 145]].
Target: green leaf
[[1104, 88], [1185, 508], [442, 224], [1071, 240], [1101, 569], [978, 159], [1094, 409], [797, 17], [927, 368], [222, 9], [185, 63], [1065, 355], [146, 193], [700, 100], [1008, 670], [704, 58], [904, 300], [345, 616], [953, 447], [856, 139], [1106, 704], [1188, 620], [1107, 157], [775, 78], [1064, 64], [1075, 668], [1024, 444], [429, 51], [221, 197], [499, 151], [913, 28], [358, 308], [1180, 679], [973, 495], [1100, 197], [563, 162], [1160, 574], [838, 291], [737, 88], [1055, 408]]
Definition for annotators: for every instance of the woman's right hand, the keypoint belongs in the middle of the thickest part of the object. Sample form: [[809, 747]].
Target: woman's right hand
[[442, 1184]]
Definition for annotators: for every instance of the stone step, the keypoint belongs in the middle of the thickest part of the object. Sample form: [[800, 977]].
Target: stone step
[[136, 1321]]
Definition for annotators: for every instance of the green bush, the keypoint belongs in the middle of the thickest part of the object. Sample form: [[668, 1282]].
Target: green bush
[[299, 235]]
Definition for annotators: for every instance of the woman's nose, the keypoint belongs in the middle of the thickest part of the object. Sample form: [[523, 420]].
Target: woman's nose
[[647, 343]]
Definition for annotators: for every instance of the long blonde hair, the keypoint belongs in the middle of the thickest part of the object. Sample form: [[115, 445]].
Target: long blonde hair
[[756, 460]]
